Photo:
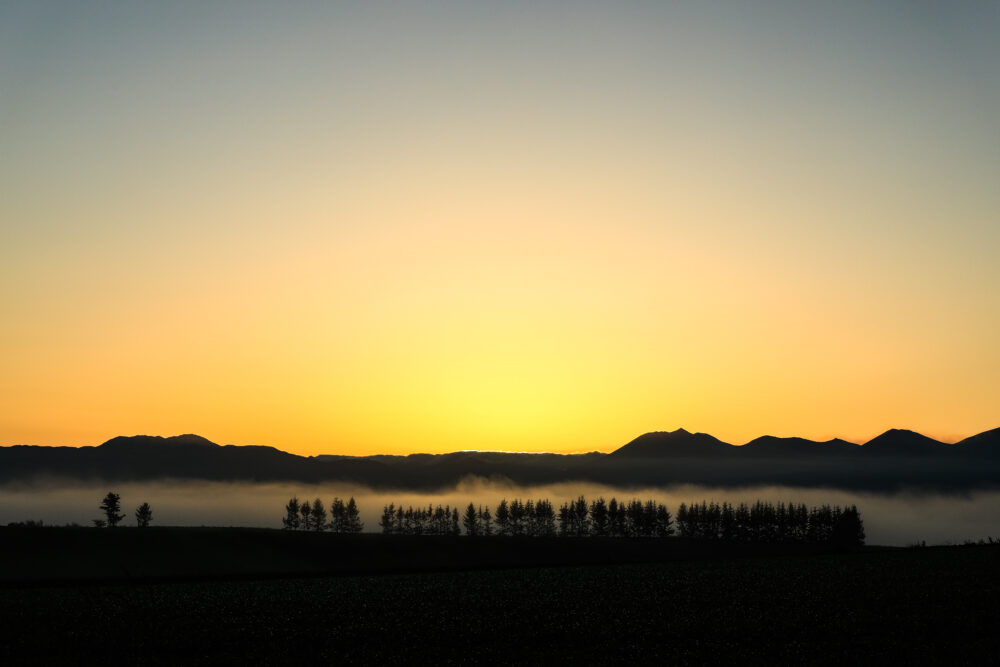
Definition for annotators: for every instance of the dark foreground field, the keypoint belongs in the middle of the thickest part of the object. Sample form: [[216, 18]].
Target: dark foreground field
[[933, 605]]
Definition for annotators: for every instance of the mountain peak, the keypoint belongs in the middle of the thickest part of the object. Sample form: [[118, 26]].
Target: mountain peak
[[673, 444], [901, 441], [187, 440]]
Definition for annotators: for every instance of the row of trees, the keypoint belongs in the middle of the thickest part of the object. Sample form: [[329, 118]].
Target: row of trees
[[112, 505], [756, 522], [575, 518], [428, 520], [535, 518], [343, 518], [766, 522]]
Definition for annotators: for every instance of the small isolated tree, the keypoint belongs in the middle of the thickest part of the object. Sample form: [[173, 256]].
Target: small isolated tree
[[100, 523], [291, 520], [143, 515], [111, 505]]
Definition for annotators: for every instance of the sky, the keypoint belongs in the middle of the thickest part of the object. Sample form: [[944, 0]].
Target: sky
[[395, 227]]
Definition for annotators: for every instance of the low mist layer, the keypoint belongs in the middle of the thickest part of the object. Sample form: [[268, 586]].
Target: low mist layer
[[898, 519]]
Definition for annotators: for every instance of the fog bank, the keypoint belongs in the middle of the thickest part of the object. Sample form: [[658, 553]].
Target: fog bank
[[898, 519]]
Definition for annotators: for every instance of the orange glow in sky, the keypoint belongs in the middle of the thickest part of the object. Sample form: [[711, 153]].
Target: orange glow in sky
[[346, 230]]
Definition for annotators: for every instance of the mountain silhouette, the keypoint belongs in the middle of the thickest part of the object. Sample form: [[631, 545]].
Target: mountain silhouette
[[771, 446], [901, 442], [157, 441], [986, 443], [897, 459], [674, 444]]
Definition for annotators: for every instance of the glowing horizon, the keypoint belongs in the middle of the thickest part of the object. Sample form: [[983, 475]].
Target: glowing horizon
[[377, 230], [565, 452]]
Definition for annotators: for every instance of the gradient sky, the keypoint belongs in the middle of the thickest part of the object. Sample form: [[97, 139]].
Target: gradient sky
[[386, 228]]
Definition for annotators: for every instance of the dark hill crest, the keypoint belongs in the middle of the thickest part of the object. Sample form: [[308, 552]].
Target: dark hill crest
[[982, 445], [989, 438], [903, 442], [674, 444], [157, 441], [769, 445]]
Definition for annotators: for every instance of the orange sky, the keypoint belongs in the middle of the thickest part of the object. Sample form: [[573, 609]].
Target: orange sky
[[345, 230]]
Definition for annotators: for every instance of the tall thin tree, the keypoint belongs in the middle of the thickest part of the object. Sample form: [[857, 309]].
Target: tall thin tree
[[471, 521], [291, 518], [111, 506], [353, 515], [143, 515], [318, 515]]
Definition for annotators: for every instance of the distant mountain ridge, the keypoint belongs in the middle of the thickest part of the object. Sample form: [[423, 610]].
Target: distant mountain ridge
[[894, 442], [894, 460], [769, 445]]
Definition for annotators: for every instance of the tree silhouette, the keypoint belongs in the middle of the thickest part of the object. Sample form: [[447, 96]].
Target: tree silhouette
[[581, 524], [599, 517], [111, 505], [664, 523], [306, 511], [545, 519], [503, 518], [338, 516], [616, 519], [143, 515], [318, 515], [516, 523], [291, 520], [683, 520], [486, 518], [849, 530], [471, 521], [352, 515], [760, 521], [727, 523], [388, 520]]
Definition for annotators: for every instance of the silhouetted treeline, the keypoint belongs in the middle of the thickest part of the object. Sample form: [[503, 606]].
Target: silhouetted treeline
[[420, 521], [766, 522], [757, 522], [535, 518], [344, 517]]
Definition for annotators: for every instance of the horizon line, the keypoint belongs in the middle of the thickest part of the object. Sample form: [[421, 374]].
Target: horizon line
[[574, 452]]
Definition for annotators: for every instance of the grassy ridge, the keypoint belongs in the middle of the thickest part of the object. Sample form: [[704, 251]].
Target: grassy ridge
[[934, 605]]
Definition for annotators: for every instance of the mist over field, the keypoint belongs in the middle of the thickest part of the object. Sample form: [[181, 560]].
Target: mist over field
[[890, 519]]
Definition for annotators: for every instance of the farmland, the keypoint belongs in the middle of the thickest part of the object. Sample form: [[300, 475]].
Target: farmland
[[919, 605]]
